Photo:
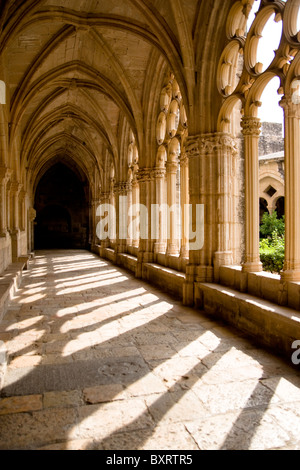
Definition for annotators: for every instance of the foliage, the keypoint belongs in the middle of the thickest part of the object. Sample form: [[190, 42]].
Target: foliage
[[272, 247], [271, 224]]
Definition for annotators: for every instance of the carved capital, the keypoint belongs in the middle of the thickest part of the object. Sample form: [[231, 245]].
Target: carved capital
[[172, 167], [219, 142], [184, 160], [22, 195], [15, 188], [122, 188], [104, 197], [5, 174], [290, 106], [209, 144], [144, 175], [31, 214], [192, 149], [251, 126], [159, 173]]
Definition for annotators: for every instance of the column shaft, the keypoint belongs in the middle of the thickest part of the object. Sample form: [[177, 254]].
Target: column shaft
[[291, 270], [251, 131]]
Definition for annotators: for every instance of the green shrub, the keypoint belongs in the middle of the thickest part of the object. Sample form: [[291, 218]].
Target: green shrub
[[272, 256], [272, 248], [270, 224]]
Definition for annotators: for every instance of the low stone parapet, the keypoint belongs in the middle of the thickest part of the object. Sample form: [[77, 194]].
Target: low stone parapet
[[167, 279], [270, 324]]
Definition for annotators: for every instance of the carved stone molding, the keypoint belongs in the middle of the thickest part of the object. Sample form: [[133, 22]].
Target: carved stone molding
[[192, 147], [159, 173], [184, 161], [31, 214], [172, 167], [5, 174], [144, 175], [122, 188], [15, 188], [104, 196], [251, 126], [210, 144], [22, 195], [290, 107]]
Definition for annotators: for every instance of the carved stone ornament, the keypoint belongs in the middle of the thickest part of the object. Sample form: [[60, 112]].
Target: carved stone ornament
[[122, 188], [144, 175], [210, 144], [31, 214], [290, 106], [251, 126], [192, 147], [158, 173]]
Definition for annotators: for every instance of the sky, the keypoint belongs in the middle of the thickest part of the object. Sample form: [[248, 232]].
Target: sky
[[270, 110]]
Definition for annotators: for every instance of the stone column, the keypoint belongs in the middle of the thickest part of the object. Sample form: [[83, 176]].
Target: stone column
[[95, 242], [192, 151], [251, 131], [4, 177], [147, 198], [121, 216], [160, 243], [172, 243], [104, 242], [31, 218], [226, 150], [184, 196], [135, 212], [8, 205], [211, 162], [129, 213], [22, 221], [15, 189], [112, 202], [291, 270], [203, 177]]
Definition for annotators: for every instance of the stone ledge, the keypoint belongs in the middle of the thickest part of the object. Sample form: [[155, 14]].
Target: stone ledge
[[10, 281], [263, 285], [110, 254], [167, 279], [3, 363], [127, 261], [270, 324]]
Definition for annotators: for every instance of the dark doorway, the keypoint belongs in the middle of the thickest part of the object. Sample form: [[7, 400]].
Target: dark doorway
[[280, 207], [61, 203], [263, 207]]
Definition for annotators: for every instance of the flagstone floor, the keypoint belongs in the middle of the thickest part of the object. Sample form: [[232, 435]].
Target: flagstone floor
[[99, 360]]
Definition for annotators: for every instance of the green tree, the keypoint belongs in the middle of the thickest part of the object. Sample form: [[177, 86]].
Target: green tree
[[271, 225], [272, 246]]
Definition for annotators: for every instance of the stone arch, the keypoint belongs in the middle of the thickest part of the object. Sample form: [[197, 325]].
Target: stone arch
[[61, 201]]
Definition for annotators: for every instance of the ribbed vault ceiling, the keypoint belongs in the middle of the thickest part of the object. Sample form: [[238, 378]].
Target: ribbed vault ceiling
[[79, 72]]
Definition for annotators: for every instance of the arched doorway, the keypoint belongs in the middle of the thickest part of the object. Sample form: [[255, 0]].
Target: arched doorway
[[62, 207], [263, 207], [280, 207]]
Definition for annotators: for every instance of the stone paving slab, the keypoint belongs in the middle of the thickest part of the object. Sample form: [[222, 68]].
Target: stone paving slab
[[81, 374], [98, 360]]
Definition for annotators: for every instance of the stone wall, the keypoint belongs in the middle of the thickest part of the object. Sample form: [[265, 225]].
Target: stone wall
[[271, 139]]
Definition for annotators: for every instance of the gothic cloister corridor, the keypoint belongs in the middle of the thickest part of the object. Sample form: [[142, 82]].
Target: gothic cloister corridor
[[100, 360]]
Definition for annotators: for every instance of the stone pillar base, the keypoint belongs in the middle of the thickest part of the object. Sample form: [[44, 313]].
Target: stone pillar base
[[159, 247], [188, 294], [292, 275], [14, 234], [221, 258], [252, 267], [204, 274]]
